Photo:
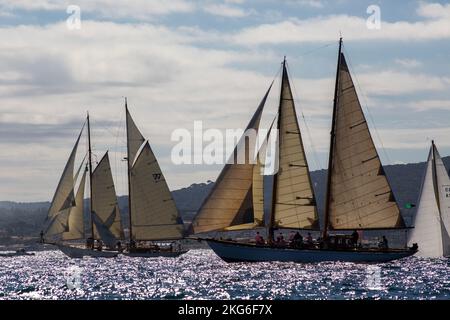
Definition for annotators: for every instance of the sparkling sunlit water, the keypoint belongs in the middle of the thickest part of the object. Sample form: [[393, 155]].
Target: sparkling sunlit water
[[200, 274]]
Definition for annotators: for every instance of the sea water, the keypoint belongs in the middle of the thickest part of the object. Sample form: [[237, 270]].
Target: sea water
[[200, 274]]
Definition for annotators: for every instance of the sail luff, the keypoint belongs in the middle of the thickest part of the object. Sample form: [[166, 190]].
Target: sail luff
[[90, 176], [230, 202], [332, 141]]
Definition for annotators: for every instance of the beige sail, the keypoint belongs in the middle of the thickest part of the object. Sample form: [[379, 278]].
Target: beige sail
[[67, 224], [360, 195], [134, 138], [104, 199], [64, 195], [75, 222], [230, 202], [294, 204], [154, 215]]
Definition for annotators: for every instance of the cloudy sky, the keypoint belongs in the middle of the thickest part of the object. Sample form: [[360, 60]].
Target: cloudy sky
[[179, 61]]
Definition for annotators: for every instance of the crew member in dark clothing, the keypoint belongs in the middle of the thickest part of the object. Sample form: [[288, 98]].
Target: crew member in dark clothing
[[384, 243], [355, 238], [42, 236]]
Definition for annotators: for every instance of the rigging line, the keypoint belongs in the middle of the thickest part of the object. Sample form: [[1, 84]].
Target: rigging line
[[308, 132], [316, 49], [366, 105]]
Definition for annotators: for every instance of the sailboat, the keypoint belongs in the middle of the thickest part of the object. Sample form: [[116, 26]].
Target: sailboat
[[65, 223], [153, 215], [358, 193], [432, 220]]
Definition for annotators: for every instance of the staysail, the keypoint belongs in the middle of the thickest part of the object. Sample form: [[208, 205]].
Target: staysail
[[293, 203], [429, 230], [104, 200], [359, 195], [68, 224], [231, 201]]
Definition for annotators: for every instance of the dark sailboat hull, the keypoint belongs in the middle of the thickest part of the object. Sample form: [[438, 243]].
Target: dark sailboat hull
[[242, 252]]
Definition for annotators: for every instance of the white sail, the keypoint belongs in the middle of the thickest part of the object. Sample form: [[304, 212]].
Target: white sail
[[154, 215], [443, 185], [294, 204], [104, 199], [230, 204], [64, 194], [427, 223], [134, 138], [359, 194]]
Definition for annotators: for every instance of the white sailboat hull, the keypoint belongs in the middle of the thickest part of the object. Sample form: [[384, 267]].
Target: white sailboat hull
[[241, 252], [74, 252]]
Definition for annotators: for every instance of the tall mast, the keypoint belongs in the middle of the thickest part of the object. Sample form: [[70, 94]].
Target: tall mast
[[435, 178], [332, 138], [271, 224], [128, 171], [90, 173]]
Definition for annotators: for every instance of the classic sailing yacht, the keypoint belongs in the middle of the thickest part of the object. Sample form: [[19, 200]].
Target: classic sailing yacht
[[432, 221], [65, 220], [152, 211], [358, 192]]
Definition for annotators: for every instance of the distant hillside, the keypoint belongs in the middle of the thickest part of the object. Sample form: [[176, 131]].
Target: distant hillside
[[26, 219]]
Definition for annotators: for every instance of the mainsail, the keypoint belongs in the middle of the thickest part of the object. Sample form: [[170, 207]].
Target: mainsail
[[152, 210], [104, 200], [231, 201], [431, 229], [359, 195], [293, 202], [134, 138]]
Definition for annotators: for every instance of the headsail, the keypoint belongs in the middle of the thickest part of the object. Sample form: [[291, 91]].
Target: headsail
[[154, 215], [359, 195], [104, 200], [429, 231], [230, 202], [293, 203], [64, 196]]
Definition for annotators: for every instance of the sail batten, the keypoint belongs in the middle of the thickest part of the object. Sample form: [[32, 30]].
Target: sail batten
[[360, 196]]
